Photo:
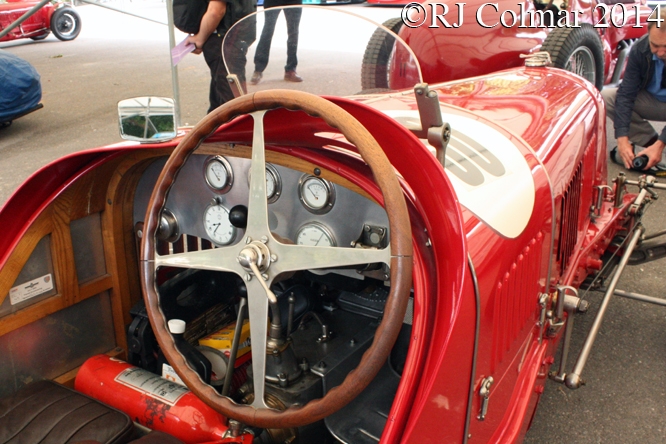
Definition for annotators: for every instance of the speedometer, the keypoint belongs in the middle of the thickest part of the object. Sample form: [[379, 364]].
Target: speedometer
[[217, 224], [316, 235]]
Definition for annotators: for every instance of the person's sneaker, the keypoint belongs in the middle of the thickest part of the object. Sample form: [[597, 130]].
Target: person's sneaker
[[256, 77], [291, 76], [615, 157]]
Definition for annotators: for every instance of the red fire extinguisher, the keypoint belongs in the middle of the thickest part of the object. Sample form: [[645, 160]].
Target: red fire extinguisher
[[152, 401]]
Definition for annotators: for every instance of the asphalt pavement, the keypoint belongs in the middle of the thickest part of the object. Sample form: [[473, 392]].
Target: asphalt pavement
[[118, 56]]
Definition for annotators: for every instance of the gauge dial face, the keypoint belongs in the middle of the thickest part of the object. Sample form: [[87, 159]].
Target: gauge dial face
[[217, 225], [218, 174], [316, 194], [315, 235]]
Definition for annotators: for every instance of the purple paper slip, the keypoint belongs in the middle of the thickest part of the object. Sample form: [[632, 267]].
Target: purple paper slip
[[181, 50]]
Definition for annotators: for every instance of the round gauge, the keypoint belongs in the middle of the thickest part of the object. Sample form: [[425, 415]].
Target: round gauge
[[316, 194], [218, 173], [316, 235], [217, 224], [273, 183]]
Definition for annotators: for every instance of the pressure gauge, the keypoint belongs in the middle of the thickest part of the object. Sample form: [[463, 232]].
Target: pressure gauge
[[218, 173], [217, 224], [316, 235], [273, 183], [316, 194]]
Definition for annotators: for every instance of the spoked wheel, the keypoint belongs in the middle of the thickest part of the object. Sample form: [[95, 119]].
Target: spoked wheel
[[260, 257], [581, 62], [578, 50], [66, 24]]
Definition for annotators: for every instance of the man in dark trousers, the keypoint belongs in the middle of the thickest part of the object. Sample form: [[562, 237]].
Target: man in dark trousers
[[219, 17], [641, 97], [293, 17]]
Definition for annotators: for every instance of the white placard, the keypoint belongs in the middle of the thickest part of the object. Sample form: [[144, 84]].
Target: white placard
[[31, 289]]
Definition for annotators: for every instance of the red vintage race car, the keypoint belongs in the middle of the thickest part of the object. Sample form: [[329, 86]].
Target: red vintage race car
[[459, 40], [315, 268], [56, 16]]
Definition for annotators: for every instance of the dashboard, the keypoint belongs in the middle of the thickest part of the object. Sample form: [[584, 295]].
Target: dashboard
[[303, 207]]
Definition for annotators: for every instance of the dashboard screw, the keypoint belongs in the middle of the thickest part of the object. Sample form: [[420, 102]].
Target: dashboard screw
[[248, 277], [248, 240], [274, 257], [264, 239]]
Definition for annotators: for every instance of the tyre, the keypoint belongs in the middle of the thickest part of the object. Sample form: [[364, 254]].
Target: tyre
[[65, 24], [578, 50], [377, 56], [41, 36]]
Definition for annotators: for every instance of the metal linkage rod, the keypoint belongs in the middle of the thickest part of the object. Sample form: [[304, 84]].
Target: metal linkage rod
[[234, 347], [573, 380], [641, 297]]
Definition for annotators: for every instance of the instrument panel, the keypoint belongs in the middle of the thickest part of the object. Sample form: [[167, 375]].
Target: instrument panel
[[211, 190]]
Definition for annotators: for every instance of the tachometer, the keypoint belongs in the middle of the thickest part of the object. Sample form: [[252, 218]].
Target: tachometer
[[217, 224], [316, 235], [316, 194], [218, 173]]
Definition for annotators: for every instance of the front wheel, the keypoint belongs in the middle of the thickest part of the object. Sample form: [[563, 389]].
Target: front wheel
[[66, 24], [578, 50]]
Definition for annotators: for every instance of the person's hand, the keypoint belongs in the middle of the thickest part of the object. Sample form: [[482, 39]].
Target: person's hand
[[626, 151], [654, 153], [196, 41]]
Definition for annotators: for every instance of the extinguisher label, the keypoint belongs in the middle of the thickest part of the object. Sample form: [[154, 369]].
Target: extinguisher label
[[152, 385], [170, 374]]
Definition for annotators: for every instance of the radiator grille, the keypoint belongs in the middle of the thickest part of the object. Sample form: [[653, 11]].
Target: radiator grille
[[571, 202]]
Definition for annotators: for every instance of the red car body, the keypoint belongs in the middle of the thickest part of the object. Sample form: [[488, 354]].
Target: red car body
[[464, 48], [39, 25], [492, 243]]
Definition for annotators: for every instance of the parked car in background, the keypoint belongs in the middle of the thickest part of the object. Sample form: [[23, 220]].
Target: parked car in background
[[20, 88], [57, 17], [591, 39]]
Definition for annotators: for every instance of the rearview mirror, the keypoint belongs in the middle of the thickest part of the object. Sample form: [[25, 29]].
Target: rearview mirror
[[147, 119]]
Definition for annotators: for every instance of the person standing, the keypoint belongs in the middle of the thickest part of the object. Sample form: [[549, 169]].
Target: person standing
[[220, 16], [293, 18], [641, 97]]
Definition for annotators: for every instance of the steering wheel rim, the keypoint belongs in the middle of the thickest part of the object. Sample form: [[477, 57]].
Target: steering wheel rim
[[400, 259]]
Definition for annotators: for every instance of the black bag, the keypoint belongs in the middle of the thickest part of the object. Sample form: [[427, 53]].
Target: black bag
[[187, 14]]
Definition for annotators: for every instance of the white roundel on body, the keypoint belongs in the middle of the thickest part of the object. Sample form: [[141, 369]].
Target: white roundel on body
[[489, 174]]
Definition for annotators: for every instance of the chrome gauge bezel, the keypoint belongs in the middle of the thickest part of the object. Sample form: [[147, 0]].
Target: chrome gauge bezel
[[211, 237], [227, 167], [329, 198], [327, 232], [277, 181]]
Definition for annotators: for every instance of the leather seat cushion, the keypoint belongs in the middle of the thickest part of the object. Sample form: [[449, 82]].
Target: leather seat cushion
[[46, 412]]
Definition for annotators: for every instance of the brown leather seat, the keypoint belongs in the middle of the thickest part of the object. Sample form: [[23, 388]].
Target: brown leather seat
[[46, 412]]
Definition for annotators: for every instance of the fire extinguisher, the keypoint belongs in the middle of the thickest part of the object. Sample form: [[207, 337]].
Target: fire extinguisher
[[153, 401]]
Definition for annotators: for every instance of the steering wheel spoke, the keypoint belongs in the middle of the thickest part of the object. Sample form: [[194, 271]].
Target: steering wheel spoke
[[258, 315], [257, 206], [216, 259], [302, 257]]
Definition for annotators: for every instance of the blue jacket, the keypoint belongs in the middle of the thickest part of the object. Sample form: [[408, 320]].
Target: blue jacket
[[637, 76]]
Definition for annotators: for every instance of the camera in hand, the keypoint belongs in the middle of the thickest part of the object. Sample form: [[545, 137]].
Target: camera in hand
[[640, 162]]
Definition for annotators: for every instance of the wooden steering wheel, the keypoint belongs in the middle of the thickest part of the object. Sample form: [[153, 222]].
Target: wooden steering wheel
[[260, 251]]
